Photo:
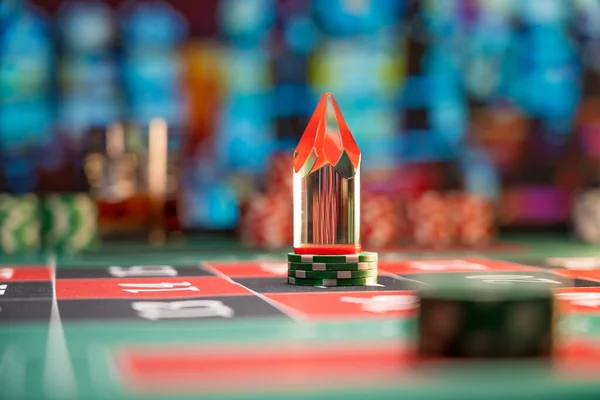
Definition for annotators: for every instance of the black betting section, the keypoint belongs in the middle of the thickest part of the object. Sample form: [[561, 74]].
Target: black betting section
[[12, 311], [220, 307], [25, 290], [280, 285], [130, 271]]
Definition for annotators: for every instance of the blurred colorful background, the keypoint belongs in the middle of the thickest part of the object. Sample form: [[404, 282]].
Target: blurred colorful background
[[494, 97]]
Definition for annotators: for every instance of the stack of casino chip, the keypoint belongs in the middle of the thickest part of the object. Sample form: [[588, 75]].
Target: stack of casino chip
[[433, 225], [278, 178], [332, 270], [586, 218], [456, 218], [266, 221], [383, 221], [20, 229], [70, 222], [473, 218]]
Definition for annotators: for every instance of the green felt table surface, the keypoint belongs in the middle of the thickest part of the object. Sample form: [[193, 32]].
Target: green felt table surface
[[69, 360]]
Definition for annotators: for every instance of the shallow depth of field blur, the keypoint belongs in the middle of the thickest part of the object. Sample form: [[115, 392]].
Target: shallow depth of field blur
[[497, 97]]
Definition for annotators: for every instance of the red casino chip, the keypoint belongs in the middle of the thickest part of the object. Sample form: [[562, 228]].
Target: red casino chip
[[432, 225], [279, 177], [266, 221], [473, 217], [383, 220]]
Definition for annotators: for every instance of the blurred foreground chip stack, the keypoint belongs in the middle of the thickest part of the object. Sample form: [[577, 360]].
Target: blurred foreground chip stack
[[487, 316]]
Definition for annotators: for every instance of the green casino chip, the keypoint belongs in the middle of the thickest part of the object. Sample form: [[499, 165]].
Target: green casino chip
[[20, 228], [350, 266], [299, 273], [333, 282], [70, 222], [365, 256]]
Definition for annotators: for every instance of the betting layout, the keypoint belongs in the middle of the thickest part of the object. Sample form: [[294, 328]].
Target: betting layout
[[229, 289], [229, 295]]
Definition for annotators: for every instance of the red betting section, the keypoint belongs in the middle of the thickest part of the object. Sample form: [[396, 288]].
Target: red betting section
[[349, 305], [24, 273], [454, 265], [150, 288], [260, 368]]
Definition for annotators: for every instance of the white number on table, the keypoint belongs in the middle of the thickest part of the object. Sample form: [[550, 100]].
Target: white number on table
[[158, 287], [142, 270], [155, 310]]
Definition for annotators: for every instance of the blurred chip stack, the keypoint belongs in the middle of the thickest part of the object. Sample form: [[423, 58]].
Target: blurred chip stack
[[473, 218], [70, 222], [68, 211], [383, 220], [266, 220], [586, 216], [278, 178], [20, 223], [431, 219], [456, 218], [486, 316]]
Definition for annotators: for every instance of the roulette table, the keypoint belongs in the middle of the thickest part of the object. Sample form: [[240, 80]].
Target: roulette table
[[210, 318]]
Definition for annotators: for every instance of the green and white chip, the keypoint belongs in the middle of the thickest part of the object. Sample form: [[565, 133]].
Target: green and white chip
[[365, 256], [350, 266], [333, 282], [299, 273]]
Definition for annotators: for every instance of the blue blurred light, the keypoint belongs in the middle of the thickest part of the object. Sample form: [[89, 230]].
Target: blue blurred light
[[479, 175], [244, 135], [211, 205], [151, 25], [301, 33], [248, 70], [25, 49], [152, 83], [349, 17], [9, 9], [246, 23], [19, 172], [425, 146], [86, 25], [544, 11], [290, 100], [24, 122]]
